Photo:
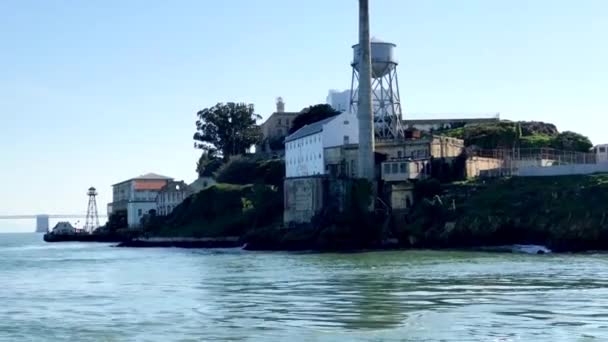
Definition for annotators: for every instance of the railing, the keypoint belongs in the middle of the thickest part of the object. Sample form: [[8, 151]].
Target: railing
[[552, 156]]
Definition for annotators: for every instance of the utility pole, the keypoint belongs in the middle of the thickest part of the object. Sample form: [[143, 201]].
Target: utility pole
[[365, 110]]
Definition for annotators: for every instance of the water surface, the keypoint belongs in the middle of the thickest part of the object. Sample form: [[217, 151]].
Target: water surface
[[94, 292]]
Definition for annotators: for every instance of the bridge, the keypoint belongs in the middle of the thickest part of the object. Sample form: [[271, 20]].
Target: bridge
[[42, 220]]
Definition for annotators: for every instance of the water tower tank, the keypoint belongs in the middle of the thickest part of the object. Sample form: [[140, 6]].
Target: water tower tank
[[383, 57]]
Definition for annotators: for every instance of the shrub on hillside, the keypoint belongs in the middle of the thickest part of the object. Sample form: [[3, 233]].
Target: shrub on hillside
[[247, 170]]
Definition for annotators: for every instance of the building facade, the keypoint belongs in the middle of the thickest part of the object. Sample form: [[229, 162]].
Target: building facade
[[276, 128], [601, 153], [170, 196], [135, 197], [339, 100], [305, 148]]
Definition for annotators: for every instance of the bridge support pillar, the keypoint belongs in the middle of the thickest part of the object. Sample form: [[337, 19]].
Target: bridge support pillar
[[42, 223]]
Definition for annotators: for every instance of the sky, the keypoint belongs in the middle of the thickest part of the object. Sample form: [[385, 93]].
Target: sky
[[96, 92]]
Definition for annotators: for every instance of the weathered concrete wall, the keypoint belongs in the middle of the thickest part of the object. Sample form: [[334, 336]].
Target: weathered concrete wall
[[401, 196], [408, 149], [475, 165], [341, 160], [307, 196], [564, 170], [446, 147], [522, 163], [303, 198]]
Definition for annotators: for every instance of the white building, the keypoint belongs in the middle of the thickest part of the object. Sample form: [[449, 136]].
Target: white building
[[135, 197], [304, 149], [601, 153], [339, 100]]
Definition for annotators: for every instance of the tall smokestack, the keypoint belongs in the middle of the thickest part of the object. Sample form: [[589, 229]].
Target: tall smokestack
[[365, 111]]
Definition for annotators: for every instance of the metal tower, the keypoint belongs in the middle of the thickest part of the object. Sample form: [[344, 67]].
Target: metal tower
[[92, 221], [386, 100]]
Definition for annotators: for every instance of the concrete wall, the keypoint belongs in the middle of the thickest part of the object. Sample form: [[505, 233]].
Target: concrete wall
[[341, 160], [601, 153], [446, 147], [278, 124], [342, 130], [474, 165], [564, 170], [401, 196], [304, 156], [135, 211], [522, 163], [303, 198], [408, 149]]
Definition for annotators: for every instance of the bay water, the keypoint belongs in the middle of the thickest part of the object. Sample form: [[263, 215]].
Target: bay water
[[96, 292]]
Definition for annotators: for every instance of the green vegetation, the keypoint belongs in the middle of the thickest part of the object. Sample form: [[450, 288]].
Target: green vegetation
[[564, 213], [222, 210], [208, 164], [229, 129], [333, 229], [312, 114], [506, 134], [248, 170], [249, 196]]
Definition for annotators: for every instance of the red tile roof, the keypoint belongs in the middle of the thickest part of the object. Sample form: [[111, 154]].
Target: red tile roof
[[149, 184]]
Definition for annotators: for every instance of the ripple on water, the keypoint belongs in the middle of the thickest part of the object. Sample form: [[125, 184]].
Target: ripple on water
[[100, 293]]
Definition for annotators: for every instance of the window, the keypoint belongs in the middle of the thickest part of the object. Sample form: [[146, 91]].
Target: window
[[139, 212], [287, 122], [402, 167], [387, 168], [346, 139], [602, 150], [395, 168], [399, 154], [279, 121]]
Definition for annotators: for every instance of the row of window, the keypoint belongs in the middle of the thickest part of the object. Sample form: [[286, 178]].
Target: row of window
[[413, 154], [600, 149], [286, 122], [171, 197], [303, 142], [401, 168], [310, 157]]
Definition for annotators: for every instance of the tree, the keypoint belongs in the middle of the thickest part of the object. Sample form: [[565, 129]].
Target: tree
[[208, 163], [228, 128], [312, 114], [570, 141]]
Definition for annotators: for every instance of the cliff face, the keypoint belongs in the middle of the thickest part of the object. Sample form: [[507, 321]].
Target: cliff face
[[563, 213]]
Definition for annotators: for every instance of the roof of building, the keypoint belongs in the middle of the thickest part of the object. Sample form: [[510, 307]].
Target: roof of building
[[147, 176], [310, 129], [155, 185]]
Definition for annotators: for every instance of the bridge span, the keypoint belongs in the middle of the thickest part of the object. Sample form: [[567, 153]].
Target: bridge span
[[42, 220]]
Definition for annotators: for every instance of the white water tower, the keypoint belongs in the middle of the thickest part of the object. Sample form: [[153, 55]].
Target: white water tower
[[385, 89]]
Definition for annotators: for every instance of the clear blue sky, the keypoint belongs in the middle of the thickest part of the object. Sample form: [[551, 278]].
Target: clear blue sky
[[95, 92]]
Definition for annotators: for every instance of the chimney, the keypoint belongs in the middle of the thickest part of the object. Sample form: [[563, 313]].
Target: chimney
[[280, 105], [365, 110]]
